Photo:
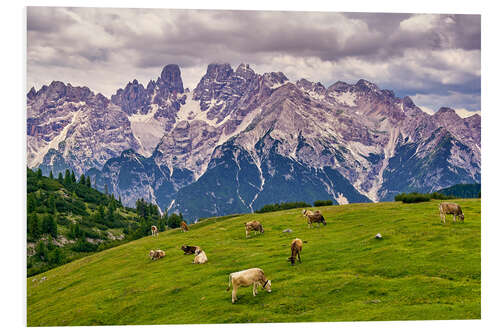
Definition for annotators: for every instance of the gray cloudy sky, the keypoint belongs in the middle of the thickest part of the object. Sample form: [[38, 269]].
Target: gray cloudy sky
[[435, 59]]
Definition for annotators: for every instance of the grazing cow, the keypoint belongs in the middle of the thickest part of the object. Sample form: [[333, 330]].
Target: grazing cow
[[201, 257], [296, 248], [452, 209], [313, 217], [255, 226], [189, 249], [156, 254], [184, 226], [154, 231], [246, 278]]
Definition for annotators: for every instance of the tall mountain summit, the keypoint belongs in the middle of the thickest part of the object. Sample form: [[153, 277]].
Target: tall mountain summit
[[240, 140]]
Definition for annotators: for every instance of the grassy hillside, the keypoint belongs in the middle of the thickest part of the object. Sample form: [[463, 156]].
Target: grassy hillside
[[421, 269]]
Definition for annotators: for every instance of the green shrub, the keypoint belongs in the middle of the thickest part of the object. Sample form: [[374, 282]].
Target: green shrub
[[319, 203], [282, 206], [420, 197], [83, 246]]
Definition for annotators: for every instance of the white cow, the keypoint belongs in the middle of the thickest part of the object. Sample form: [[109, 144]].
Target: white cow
[[154, 230], [246, 278], [201, 257]]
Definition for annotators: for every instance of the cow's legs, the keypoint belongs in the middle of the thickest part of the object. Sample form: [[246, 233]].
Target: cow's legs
[[443, 218], [233, 295], [454, 218], [298, 254], [254, 288]]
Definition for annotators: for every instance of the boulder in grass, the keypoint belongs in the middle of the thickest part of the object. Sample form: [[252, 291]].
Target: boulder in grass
[[287, 230]]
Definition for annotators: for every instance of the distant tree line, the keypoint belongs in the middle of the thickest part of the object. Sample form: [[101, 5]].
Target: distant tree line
[[290, 205], [463, 190], [282, 206], [415, 197]]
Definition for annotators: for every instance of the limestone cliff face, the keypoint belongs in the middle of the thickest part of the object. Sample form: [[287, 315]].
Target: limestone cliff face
[[241, 139]]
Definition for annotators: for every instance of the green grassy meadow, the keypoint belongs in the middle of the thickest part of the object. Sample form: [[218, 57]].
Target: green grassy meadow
[[420, 270]]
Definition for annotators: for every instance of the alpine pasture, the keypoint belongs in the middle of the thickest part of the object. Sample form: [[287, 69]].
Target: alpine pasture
[[420, 269]]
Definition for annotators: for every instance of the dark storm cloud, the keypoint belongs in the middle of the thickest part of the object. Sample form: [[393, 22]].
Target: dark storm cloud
[[413, 54]]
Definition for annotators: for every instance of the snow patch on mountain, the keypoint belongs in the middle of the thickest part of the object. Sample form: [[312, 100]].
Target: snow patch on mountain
[[147, 130], [241, 127], [192, 111], [341, 199], [54, 143], [347, 98]]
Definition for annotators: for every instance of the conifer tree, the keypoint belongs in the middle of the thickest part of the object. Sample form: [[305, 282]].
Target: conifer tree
[[51, 175], [51, 204], [67, 177], [41, 250], [49, 225], [39, 173], [73, 178], [82, 180], [60, 178], [106, 189], [87, 182], [33, 226], [31, 204]]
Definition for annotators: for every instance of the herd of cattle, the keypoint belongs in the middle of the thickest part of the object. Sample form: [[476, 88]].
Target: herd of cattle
[[256, 276]]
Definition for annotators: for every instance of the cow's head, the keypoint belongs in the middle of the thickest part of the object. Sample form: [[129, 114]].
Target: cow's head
[[461, 217], [152, 254], [267, 286]]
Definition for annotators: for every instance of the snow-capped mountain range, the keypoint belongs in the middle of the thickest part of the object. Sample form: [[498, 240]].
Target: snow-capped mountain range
[[240, 140]]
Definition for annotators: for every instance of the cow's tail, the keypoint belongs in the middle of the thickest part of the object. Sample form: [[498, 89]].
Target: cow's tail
[[229, 286]]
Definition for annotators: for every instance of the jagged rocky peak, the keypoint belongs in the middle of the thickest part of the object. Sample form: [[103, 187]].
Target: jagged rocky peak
[[56, 94], [57, 90], [212, 84], [408, 102], [170, 79], [365, 85], [339, 86], [245, 70], [219, 72], [307, 85], [447, 114], [275, 79], [134, 97], [32, 93]]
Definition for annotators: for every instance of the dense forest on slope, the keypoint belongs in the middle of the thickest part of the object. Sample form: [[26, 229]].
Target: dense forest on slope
[[68, 219], [463, 190]]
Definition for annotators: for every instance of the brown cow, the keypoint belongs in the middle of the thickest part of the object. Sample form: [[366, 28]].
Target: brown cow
[[189, 249], [253, 226], [296, 248], [154, 231], [313, 217], [246, 278], [184, 226], [156, 254], [452, 209]]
